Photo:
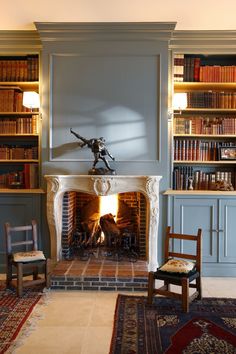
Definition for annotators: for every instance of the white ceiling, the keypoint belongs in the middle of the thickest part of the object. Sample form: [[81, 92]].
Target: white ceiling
[[189, 14]]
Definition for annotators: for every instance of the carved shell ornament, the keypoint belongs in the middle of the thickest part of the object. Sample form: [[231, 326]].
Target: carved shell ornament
[[102, 186]]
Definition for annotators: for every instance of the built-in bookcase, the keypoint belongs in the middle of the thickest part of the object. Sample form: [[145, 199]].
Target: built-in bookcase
[[204, 133], [19, 126]]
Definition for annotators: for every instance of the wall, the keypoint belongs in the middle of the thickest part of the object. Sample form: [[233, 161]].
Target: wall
[[89, 103], [190, 15]]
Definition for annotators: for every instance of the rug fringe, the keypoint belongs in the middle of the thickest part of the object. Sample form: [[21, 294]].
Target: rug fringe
[[31, 323]]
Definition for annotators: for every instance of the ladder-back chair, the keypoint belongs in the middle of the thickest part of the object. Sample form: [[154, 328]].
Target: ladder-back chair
[[178, 270], [24, 258]]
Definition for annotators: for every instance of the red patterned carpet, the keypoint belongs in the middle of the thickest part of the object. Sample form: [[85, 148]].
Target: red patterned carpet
[[14, 313], [209, 327]]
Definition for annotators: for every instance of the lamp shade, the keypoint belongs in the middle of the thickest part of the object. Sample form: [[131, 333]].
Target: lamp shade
[[180, 100], [31, 99]]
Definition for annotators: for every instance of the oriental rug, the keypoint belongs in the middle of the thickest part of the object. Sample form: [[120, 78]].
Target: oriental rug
[[15, 318], [209, 327]]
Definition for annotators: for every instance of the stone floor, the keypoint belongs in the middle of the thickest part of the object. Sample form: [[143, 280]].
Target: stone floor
[[81, 322]]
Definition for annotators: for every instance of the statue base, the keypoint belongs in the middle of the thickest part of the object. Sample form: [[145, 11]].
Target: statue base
[[101, 171]]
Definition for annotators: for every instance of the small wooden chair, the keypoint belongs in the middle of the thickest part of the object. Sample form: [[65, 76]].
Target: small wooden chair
[[26, 258], [177, 278]]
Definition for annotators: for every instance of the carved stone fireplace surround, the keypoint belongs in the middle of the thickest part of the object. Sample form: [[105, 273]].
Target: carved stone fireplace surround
[[57, 185]]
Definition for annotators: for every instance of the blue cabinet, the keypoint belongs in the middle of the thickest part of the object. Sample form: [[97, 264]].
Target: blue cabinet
[[18, 209], [216, 215]]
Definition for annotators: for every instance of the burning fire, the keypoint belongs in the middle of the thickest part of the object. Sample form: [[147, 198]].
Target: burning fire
[[109, 204]]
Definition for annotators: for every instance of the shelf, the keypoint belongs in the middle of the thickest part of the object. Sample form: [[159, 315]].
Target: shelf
[[199, 192], [189, 86], [21, 191], [186, 162], [18, 113], [20, 135], [206, 110], [21, 84], [18, 161], [210, 136]]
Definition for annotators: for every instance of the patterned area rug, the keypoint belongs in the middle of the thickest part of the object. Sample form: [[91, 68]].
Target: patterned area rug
[[209, 327], [14, 315]]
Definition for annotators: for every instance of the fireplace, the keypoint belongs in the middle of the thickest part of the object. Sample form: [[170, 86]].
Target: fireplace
[[97, 186]]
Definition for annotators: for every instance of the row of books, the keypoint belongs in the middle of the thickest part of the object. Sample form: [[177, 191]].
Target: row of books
[[211, 99], [19, 125], [18, 153], [26, 178], [190, 69], [21, 69], [205, 125], [198, 150], [185, 178], [11, 100]]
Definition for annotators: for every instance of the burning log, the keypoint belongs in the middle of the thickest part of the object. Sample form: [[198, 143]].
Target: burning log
[[109, 228]]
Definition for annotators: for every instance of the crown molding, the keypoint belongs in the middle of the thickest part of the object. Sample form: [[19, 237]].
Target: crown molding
[[20, 39], [77, 31], [208, 40]]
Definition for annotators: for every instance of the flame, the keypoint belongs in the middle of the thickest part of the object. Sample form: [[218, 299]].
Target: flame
[[109, 204]]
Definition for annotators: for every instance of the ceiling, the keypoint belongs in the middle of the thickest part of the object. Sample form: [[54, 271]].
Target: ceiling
[[189, 15]]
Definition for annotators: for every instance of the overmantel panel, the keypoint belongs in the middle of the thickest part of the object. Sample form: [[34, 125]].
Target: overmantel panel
[[63, 41]]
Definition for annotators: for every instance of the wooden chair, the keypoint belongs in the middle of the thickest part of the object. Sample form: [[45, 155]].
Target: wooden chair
[[26, 259], [180, 279]]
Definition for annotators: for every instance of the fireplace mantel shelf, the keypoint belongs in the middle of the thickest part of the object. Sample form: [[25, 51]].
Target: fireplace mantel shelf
[[102, 185]]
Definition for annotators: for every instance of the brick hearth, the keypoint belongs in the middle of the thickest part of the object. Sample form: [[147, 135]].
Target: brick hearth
[[100, 274]]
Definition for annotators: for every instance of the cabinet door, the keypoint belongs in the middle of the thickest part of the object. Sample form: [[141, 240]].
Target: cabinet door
[[191, 214], [227, 233], [17, 210]]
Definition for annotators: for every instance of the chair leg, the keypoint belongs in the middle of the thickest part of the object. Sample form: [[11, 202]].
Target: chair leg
[[19, 279], [151, 283], [48, 273], [8, 274], [199, 288], [35, 273], [185, 294], [167, 285]]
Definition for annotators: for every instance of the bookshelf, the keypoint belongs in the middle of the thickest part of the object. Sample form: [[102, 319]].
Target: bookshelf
[[19, 125], [204, 133]]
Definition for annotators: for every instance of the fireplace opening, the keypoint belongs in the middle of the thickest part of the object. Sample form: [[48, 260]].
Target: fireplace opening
[[111, 227]]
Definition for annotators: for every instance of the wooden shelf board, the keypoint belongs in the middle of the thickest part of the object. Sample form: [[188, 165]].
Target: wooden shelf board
[[20, 84], [199, 192], [21, 191], [20, 135], [18, 113], [21, 161], [207, 110], [220, 136], [225, 162], [180, 86]]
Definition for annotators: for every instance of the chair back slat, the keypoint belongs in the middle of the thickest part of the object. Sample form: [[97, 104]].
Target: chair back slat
[[182, 255], [22, 243], [20, 228], [183, 237]]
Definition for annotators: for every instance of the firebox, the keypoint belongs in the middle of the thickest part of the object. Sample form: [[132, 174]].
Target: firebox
[[111, 226]]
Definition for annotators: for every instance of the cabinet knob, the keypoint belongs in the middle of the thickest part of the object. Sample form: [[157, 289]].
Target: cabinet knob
[[216, 230]]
